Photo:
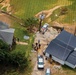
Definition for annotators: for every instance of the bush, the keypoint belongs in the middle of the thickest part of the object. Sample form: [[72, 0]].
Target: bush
[[64, 10], [16, 59], [3, 45], [30, 23], [19, 60]]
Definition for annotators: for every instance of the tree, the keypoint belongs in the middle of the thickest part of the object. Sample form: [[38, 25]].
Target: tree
[[63, 11], [18, 59], [31, 22], [3, 45]]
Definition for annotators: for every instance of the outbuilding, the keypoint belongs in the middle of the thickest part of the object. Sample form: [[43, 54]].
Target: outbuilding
[[6, 33]]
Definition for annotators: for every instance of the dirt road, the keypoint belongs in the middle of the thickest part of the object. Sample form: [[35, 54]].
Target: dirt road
[[44, 40], [6, 3], [47, 12], [4, 17]]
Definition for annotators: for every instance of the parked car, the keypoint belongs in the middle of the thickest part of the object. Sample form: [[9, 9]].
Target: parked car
[[48, 71], [40, 62], [44, 28]]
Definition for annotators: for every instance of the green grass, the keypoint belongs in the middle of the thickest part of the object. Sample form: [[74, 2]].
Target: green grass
[[53, 16], [28, 8], [20, 32], [68, 70], [69, 18]]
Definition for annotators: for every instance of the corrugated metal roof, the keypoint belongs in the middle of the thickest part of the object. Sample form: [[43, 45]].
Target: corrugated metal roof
[[58, 51], [72, 58], [63, 46], [3, 26], [7, 35]]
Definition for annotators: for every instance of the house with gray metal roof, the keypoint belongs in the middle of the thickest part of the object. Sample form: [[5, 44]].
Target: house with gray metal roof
[[62, 47], [71, 60], [6, 33]]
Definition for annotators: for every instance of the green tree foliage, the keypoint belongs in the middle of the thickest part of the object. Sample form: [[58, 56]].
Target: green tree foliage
[[31, 22], [3, 45], [16, 59], [64, 10], [4, 55]]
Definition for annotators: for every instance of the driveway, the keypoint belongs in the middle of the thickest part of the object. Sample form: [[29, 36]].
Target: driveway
[[45, 39]]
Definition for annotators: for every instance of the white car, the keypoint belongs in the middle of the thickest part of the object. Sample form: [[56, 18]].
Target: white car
[[44, 28], [40, 62], [48, 71]]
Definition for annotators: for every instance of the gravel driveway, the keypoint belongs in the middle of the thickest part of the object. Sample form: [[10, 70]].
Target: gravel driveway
[[45, 39]]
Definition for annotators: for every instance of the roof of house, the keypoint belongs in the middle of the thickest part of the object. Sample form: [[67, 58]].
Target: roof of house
[[3, 26], [6, 33], [67, 38], [72, 58], [58, 51], [62, 46]]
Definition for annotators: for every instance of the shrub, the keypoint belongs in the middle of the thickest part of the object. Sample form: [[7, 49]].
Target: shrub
[[30, 23], [19, 60], [64, 10], [16, 59], [3, 45]]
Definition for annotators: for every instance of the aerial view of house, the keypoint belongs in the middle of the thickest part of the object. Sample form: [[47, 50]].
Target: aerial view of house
[[62, 48], [37, 37]]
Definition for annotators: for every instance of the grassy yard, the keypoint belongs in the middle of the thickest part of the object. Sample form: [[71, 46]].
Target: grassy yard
[[20, 32], [69, 18], [28, 8], [69, 71]]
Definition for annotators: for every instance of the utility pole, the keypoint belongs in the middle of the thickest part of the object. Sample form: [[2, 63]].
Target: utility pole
[[41, 17], [75, 31], [75, 27]]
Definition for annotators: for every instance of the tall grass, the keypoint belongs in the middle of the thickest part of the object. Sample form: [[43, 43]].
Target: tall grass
[[28, 8]]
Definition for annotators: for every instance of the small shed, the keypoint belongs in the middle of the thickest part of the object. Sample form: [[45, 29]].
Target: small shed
[[6, 33]]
